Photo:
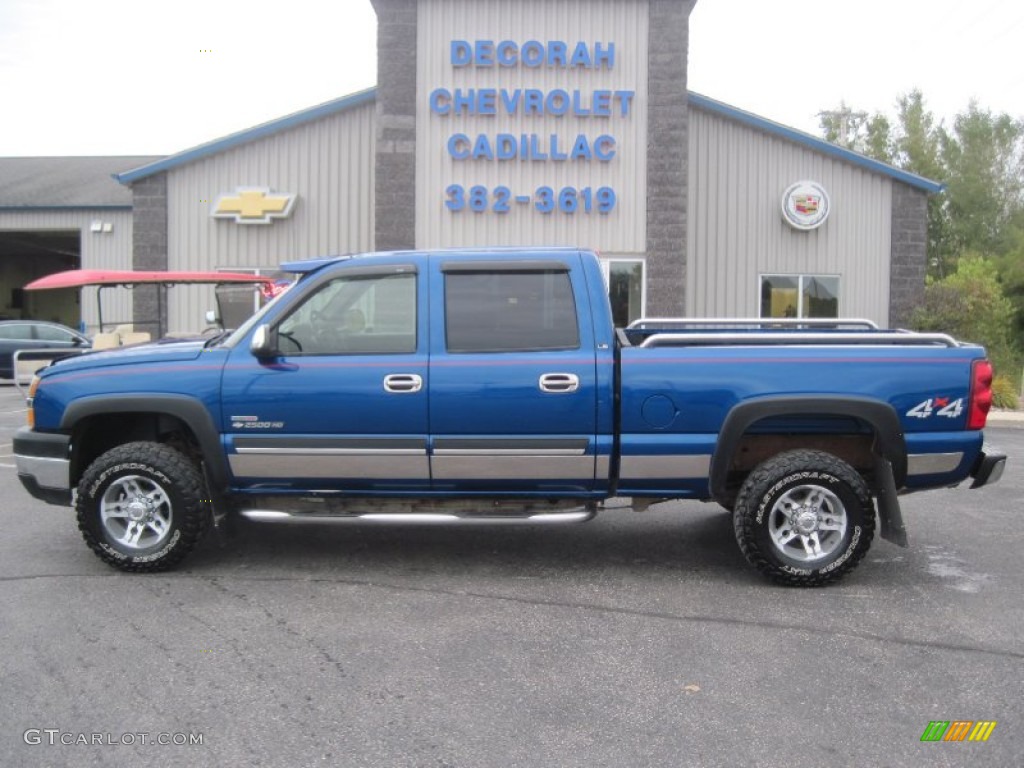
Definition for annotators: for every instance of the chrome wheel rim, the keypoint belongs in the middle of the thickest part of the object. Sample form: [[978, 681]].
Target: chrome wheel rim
[[136, 512], [808, 523]]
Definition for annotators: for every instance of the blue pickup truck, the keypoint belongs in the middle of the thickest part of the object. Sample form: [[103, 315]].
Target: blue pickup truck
[[490, 387]]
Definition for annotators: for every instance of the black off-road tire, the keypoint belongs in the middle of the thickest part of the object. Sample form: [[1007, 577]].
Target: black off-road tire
[[812, 485], [157, 484]]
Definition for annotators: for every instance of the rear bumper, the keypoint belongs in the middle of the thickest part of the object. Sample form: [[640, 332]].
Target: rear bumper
[[44, 466], [988, 468]]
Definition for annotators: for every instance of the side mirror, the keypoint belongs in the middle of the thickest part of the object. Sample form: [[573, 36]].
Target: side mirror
[[262, 344], [211, 317]]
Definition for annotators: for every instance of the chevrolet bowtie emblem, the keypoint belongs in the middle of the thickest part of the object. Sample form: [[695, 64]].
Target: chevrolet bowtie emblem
[[253, 205]]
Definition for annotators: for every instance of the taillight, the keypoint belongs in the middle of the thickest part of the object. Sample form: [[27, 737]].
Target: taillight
[[981, 394]]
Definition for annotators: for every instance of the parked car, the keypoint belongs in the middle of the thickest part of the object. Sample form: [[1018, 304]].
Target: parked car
[[34, 334]]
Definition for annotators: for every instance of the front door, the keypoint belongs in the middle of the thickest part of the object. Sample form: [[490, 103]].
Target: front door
[[513, 396], [344, 404]]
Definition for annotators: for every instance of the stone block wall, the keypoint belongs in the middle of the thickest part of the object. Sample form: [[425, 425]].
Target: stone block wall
[[395, 161], [909, 253], [149, 249]]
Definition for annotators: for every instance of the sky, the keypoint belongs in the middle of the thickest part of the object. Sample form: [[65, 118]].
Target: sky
[[124, 77]]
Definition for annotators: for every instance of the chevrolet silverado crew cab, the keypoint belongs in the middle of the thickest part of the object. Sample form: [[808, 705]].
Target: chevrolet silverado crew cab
[[489, 387]]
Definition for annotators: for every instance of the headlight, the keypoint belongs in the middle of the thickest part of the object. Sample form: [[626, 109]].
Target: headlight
[[30, 400]]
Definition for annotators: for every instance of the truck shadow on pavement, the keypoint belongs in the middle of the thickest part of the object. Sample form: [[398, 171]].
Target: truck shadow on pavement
[[698, 538]]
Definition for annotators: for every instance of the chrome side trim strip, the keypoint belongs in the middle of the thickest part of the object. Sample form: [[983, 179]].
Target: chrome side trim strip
[[49, 473], [322, 443], [651, 467], [933, 463], [493, 444], [392, 465], [493, 466], [538, 452], [335, 451]]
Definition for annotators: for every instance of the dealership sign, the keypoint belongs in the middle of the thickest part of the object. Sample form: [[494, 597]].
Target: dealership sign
[[253, 205], [540, 109], [805, 205]]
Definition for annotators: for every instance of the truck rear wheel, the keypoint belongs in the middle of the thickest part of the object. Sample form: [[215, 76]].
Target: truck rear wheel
[[140, 507], [804, 518]]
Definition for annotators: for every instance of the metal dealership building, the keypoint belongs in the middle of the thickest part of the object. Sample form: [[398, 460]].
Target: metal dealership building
[[497, 122]]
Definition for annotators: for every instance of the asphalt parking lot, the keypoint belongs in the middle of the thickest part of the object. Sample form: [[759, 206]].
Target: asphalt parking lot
[[639, 639]]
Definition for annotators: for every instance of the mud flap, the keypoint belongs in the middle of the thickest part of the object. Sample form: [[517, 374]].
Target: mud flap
[[218, 510], [892, 528]]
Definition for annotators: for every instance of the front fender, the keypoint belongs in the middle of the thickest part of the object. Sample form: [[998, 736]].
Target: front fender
[[190, 411]]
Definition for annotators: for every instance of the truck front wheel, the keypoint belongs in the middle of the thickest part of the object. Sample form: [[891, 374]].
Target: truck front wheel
[[804, 518], [140, 507]]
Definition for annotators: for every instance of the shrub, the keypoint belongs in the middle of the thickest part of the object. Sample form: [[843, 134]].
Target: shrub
[[970, 305], [1004, 393]]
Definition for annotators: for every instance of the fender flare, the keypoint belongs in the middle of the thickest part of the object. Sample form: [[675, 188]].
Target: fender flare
[[192, 412], [881, 416]]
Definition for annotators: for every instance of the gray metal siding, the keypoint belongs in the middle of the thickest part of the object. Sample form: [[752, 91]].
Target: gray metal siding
[[736, 231], [100, 250], [327, 163], [624, 23]]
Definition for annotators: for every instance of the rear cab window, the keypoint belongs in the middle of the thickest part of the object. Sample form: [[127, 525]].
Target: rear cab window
[[509, 307]]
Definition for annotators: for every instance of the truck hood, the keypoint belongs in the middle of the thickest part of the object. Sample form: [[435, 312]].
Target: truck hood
[[153, 352]]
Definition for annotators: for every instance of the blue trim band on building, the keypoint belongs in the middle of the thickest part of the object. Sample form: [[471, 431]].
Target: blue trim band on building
[[813, 142], [26, 208], [260, 131]]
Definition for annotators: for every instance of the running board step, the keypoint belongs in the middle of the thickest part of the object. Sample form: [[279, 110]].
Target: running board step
[[424, 518]]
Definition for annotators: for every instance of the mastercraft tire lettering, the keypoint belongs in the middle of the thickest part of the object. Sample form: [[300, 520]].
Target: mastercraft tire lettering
[[140, 507], [804, 518]]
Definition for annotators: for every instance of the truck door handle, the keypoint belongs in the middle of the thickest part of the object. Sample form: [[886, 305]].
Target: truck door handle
[[403, 382], [558, 383]]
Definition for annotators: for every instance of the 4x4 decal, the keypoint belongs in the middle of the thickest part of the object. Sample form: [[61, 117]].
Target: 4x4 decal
[[937, 406]]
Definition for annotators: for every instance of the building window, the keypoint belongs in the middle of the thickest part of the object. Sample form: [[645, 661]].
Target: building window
[[799, 296], [626, 289]]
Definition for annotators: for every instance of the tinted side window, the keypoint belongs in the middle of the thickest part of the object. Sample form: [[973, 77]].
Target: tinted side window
[[359, 315], [17, 331], [50, 333], [510, 311]]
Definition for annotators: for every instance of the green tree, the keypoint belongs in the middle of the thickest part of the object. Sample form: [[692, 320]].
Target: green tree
[[917, 142], [982, 161], [969, 304], [877, 138], [975, 226]]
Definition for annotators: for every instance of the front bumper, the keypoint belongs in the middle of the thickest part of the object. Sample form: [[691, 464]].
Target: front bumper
[[44, 465], [988, 468]]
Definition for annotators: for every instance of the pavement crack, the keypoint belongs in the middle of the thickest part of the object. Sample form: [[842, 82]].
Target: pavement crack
[[33, 577], [659, 615], [282, 624]]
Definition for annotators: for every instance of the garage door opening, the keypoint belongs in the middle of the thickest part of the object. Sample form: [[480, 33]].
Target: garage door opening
[[28, 255]]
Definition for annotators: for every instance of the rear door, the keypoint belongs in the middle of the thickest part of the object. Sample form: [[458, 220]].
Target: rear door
[[513, 394]]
